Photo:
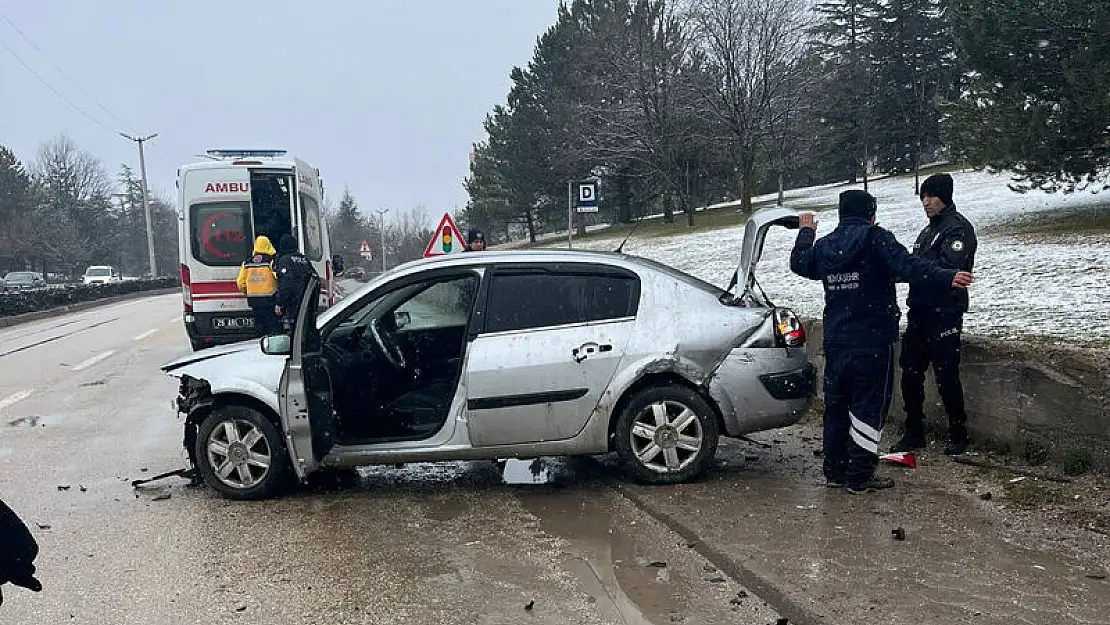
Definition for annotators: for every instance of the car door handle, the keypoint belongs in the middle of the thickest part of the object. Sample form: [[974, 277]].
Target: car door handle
[[587, 349]]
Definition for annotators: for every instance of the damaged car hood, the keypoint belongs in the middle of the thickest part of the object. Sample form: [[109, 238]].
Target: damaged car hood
[[238, 368], [252, 346]]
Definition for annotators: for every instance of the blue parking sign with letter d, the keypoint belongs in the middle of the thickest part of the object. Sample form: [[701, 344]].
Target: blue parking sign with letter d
[[587, 197]]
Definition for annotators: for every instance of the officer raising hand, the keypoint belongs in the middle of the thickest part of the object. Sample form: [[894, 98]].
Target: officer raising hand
[[858, 264]]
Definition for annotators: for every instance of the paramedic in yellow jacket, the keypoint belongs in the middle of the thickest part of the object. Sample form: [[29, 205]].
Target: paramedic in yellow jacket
[[258, 282]]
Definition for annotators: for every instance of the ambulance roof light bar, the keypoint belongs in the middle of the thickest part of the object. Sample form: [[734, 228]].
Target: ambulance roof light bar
[[247, 153]]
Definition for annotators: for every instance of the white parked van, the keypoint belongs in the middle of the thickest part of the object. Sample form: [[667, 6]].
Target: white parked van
[[224, 204], [101, 274]]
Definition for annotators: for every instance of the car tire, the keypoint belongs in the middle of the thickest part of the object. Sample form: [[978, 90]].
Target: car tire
[[257, 443], [650, 454]]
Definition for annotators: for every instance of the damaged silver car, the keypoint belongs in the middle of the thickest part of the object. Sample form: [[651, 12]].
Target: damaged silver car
[[503, 355]]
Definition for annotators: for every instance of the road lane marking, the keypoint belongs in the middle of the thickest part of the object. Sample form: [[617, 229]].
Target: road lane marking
[[12, 399], [145, 334], [176, 319], [92, 361]]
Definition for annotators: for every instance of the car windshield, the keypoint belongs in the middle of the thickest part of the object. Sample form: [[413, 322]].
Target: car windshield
[[20, 276], [98, 272]]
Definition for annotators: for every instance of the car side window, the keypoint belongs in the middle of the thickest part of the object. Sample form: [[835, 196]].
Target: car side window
[[527, 300]]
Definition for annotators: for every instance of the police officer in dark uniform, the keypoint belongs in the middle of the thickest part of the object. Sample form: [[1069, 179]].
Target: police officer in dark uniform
[[293, 271], [935, 320], [858, 264], [475, 241]]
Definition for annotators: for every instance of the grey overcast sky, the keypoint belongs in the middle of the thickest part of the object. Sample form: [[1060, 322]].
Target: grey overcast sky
[[385, 97]]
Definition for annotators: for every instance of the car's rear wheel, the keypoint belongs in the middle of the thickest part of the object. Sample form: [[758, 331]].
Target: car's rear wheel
[[666, 435], [241, 454]]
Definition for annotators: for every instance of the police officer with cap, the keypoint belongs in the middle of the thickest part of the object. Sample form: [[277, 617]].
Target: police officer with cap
[[858, 264], [935, 319], [293, 271], [475, 241]]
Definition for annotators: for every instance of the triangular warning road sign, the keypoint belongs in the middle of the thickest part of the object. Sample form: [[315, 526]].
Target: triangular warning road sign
[[446, 240], [365, 247]]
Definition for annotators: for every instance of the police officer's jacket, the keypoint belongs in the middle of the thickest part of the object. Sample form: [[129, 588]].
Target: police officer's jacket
[[858, 264], [949, 241], [293, 272]]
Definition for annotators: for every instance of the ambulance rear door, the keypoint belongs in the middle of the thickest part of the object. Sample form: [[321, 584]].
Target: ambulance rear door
[[313, 233], [218, 233]]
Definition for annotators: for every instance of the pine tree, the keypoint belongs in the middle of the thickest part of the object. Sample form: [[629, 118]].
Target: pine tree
[[843, 42], [1036, 101], [915, 57], [349, 228]]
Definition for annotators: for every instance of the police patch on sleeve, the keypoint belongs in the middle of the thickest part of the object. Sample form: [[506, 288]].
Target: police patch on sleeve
[[957, 246]]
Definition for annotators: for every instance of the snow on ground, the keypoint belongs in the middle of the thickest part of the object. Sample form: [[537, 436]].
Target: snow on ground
[[1058, 287]]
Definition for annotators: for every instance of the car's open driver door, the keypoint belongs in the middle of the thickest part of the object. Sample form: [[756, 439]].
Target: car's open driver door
[[305, 392]]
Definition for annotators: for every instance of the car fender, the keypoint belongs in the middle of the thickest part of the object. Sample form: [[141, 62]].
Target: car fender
[[249, 388], [672, 362]]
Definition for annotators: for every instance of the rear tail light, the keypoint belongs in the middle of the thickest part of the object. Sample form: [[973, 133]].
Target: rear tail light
[[789, 331], [187, 288]]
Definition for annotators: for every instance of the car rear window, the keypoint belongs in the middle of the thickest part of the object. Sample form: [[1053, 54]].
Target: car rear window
[[526, 300], [220, 232], [98, 271]]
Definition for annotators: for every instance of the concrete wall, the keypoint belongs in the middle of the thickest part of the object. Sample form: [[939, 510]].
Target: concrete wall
[[1020, 393]]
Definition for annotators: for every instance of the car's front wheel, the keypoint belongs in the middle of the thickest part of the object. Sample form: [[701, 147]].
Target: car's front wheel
[[241, 454], [666, 435]]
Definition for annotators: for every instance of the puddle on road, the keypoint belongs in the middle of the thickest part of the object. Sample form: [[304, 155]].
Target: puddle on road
[[601, 553], [537, 471]]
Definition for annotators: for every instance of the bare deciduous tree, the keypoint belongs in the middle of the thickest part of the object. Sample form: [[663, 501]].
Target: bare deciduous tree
[[74, 211], [751, 48]]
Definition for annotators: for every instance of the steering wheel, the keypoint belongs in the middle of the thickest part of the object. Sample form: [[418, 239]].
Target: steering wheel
[[388, 345]]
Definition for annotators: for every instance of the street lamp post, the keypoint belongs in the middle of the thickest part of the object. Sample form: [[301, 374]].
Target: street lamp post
[[381, 230], [146, 201]]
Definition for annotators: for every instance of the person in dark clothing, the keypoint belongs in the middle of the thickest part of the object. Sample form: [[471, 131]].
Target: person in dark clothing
[[293, 271], [935, 320], [858, 264], [18, 550], [475, 241]]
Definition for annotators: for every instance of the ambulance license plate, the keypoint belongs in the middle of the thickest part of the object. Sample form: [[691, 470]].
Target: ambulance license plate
[[232, 323]]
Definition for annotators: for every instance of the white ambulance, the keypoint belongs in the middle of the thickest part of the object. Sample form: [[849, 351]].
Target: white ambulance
[[224, 203]]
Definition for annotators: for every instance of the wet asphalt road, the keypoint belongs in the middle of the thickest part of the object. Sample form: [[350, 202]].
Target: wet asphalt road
[[84, 410]]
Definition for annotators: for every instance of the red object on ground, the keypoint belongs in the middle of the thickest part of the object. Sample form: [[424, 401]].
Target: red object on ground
[[907, 458]]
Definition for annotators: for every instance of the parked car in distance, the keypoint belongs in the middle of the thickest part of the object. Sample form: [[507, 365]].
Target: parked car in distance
[[101, 274], [503, 355], [23, 281]]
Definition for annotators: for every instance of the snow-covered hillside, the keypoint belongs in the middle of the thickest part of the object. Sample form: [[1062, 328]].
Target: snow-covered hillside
[[1059, 286]]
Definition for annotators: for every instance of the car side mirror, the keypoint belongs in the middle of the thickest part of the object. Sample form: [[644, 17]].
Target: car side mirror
[[277, 345], [401, 319], [337, 263]]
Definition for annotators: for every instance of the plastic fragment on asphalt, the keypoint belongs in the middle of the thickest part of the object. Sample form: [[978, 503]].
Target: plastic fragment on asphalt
[[906, 458]]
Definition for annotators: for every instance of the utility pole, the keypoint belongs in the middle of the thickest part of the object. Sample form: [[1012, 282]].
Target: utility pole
[[570, 213], [381, 230], [146, 201]]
